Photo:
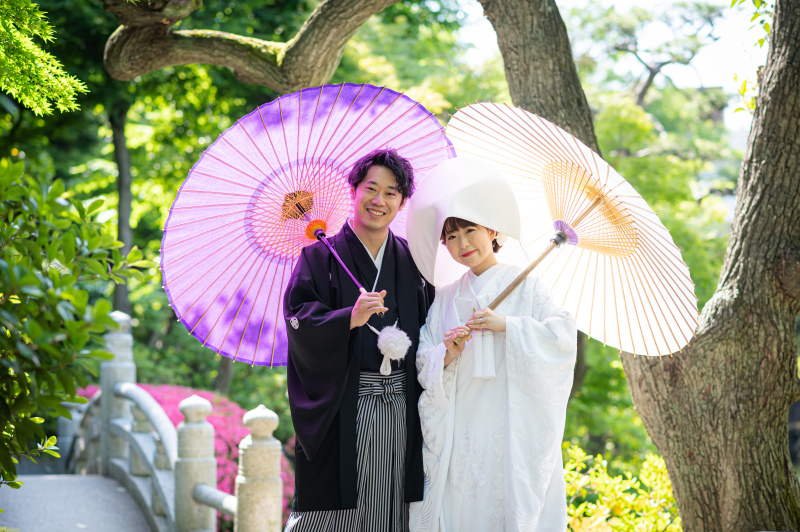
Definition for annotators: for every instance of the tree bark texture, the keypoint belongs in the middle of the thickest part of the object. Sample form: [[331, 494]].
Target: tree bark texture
[[541, 73], [117, 117], [718, 411], [146, 42]]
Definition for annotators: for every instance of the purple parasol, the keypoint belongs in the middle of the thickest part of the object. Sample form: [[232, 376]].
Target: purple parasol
[[257, 195]]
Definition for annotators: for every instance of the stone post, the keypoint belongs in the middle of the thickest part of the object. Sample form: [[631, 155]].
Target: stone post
[[195, 465], [259, 487], [141, 425], [67, 428], [119, 369]]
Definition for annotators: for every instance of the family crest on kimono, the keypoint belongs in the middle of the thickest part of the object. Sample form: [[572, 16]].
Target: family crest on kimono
[[496, 382], [359, 444]]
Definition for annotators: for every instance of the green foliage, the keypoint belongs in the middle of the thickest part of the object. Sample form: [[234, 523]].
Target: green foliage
[[29, 74], [54, 258], [601, 417], [601, 502]]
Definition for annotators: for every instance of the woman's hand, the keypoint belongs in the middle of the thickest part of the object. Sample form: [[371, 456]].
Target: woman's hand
[[454, 350], [487, 320]]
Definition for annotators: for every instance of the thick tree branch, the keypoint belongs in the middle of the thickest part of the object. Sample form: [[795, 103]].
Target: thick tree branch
[[146, 42]]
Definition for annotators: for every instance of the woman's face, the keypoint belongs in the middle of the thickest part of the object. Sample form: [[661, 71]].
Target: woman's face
[[472, 247]]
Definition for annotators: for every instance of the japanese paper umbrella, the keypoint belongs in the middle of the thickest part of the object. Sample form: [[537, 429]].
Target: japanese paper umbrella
[[605, 255], [259, 194]]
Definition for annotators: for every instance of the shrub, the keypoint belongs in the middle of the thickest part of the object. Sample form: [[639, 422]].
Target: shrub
[[598, 502], [55, 258]]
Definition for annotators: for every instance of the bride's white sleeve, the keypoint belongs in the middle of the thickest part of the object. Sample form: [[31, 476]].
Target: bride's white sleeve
[[540, 356], [433, 376]]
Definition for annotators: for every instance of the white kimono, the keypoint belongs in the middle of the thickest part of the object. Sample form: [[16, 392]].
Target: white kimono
[[493, 420]]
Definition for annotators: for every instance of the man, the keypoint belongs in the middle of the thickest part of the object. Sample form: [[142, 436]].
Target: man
[[359, 445]]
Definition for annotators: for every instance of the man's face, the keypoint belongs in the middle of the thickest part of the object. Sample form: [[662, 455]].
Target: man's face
[[376, 200]]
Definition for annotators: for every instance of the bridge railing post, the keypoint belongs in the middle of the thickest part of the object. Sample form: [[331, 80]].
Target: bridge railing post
[[259, 487], [119, 369], [195, 465]]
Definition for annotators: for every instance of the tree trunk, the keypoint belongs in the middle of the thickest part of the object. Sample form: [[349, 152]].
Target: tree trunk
[[117, 117], [541, 73], [542, 79], [222, 383], [717, 412]]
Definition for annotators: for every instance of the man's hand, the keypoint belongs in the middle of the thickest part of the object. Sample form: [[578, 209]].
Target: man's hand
[[367, 304], [453, 350]]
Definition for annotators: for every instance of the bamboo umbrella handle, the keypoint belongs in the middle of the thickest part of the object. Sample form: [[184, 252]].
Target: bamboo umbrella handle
[[516, 282]]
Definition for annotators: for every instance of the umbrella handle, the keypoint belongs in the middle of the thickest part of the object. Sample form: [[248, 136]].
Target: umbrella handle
[[556, 241], [320, 234]]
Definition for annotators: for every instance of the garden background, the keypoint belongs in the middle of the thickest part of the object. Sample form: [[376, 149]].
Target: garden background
[[110, 155]]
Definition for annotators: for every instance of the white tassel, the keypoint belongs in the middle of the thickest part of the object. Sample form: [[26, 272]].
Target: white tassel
[[393, 344]]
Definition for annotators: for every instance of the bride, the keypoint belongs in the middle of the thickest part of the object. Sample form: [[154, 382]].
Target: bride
[[496, 382]]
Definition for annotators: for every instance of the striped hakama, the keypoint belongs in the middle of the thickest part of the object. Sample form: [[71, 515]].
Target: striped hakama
[[381, 440]]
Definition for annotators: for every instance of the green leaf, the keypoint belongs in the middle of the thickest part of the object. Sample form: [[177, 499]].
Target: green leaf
[[15, 484], [144, 264], [95, 206]]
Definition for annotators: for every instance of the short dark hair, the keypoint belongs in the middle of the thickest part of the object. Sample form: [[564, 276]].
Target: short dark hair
[[389, 158], [454, 224]]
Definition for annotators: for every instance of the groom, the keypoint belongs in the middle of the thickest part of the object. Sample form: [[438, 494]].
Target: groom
[[359, 445]]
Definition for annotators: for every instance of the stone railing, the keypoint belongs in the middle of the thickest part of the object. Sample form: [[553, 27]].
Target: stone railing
[[171, 473]]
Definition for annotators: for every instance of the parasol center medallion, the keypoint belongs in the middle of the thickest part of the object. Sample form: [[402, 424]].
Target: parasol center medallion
[[292, 202], [607, 228]]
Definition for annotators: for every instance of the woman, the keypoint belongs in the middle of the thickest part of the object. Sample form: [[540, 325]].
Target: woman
[[494, 403]]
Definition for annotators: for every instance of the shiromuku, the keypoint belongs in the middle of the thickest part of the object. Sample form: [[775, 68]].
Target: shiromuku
[[494, 401]]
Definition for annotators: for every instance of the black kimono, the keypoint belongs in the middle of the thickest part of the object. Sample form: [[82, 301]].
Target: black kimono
[[326, 358]]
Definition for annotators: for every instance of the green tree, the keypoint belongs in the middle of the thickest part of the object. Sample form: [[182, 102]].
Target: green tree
[[54, 257], [29, 74]]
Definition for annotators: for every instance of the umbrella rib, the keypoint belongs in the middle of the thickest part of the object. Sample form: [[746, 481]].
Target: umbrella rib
[[504, 163], [682, 299], [199, 220], [236, 316], [388, 141], [226, 163], [275, 329], [574, 271], [594, 289], [195, 250], [511, 136], [266, 309], [280, 171], [313, 123], [231, 263], [646, 315], [256, 146], [636, 310], [187, 207], [341, 121], [533, 155], [363, 130], [238, 184], [583, 284], [325, 126], [534, 144], [613, 300], [669, 308], [198, 235], [528, 137], [221, 345], [295, 179], [243, 156], [624, 301], [252, 308]]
